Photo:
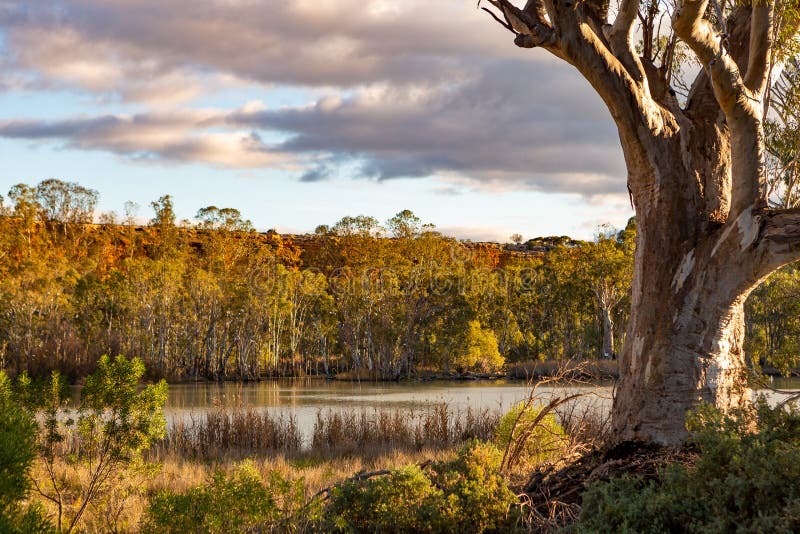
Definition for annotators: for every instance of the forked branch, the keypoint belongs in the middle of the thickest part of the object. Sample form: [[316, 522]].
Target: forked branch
[[620, 39], [577, 42], [742, 107], [697, 32], [529, 25]]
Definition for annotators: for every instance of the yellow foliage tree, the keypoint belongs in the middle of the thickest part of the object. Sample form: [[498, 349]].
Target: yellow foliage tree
[[480, 350]]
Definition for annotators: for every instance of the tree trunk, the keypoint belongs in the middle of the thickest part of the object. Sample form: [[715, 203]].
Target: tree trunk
[[692, 274], [608, 333], [684, 343]]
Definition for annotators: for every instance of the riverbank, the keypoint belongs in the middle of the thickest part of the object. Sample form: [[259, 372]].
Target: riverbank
[[528, 370], [523, 371], [229, 471]]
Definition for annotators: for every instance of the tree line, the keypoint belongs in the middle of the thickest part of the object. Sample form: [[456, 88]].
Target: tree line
[[213, 298]]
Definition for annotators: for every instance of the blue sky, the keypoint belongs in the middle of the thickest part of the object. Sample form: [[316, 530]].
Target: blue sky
[[298, 118]]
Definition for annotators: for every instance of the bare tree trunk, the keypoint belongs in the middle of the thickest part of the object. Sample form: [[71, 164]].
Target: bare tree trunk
[[608, 333], [692, 275]]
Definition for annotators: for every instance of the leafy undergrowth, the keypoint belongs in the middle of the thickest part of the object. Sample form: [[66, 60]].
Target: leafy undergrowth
[[465, 494], [745, 478], [740, 472], [470, 491], [531, 435], [240, 502]]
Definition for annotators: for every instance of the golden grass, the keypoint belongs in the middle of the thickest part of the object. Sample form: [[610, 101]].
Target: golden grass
[[121, 510], [344, 443]]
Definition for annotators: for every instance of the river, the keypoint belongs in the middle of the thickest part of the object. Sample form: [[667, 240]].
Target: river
[[302, 399]]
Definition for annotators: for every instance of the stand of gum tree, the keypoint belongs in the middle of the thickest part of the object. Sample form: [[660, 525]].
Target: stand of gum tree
[[697, 177], [217, 300]]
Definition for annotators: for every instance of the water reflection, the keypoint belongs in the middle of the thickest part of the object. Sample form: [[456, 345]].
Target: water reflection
[[337, 394], [304, 398]]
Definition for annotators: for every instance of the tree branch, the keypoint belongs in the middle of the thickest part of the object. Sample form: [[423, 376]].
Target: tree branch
[[758, 61], [742, 109], [698, 33], [529, 26], [571, 33], [779, 242], [502, 23], [536, 9], [629, 102], [619, 38]]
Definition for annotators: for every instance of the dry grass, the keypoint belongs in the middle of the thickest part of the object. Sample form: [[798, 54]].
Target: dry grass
[[586, 431], [233, 433], [225, 432], [438, 426], [343, 443], [122, 509]]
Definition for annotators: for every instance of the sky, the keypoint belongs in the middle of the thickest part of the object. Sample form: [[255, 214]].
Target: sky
[[300, 112]]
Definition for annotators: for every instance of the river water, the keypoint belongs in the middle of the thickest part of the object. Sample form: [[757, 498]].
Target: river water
[[303, 399]]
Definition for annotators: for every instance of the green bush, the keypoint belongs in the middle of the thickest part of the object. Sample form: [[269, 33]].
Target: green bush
[[241, 502], [17, 452], [100, 443], [747, 479], [467, 494], [17, 447], [529, 438], [405, 501], [478, 496]]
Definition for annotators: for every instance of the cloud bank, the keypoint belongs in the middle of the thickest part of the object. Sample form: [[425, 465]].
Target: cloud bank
[[397, 89]]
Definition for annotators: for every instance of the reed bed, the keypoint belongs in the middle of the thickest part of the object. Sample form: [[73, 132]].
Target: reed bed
[[237, 432], [226, 431], [437, 426]]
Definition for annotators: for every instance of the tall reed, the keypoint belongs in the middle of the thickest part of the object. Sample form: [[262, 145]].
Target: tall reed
[[436, 426], [225, 432]]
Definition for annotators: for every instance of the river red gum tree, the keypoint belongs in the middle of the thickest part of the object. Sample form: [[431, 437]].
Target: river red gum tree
[[696, 176]]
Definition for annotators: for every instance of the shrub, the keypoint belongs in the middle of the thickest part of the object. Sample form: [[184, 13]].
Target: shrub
[[237, 503], [17, 442], [86, 453], [529, 437], [404, 501], [478, 495], [467, 494], [747, 479], [17, 451]]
